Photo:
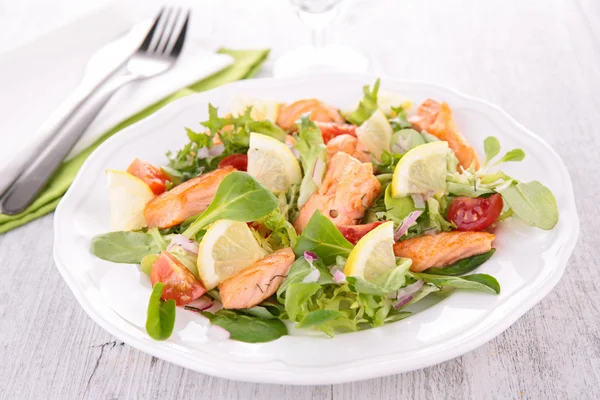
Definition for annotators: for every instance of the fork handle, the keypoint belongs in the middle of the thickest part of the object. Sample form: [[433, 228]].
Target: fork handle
[[64, 135]]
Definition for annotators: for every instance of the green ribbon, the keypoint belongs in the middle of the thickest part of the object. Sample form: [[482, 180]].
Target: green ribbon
[[247, 63]]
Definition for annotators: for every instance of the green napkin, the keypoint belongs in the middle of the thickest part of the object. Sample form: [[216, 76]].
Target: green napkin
[[247, 63]]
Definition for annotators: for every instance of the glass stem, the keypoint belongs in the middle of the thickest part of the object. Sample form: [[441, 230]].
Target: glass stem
[[318, 38]]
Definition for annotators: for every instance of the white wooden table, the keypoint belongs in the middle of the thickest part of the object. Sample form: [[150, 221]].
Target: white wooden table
[[538, 60]]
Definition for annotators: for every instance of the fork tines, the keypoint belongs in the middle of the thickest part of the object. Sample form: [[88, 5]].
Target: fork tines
[[168, 31]]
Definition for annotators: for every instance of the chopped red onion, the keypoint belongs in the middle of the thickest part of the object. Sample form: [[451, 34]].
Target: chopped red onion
[[318, 171], [202, 152], [403, 302], [202, 303], [428, 195], [418, 200], [185, 243], [407, 293], [335, 268], [312, 276], [216, 150], [295, 152], [217, 333], [406, 223], [310, 257], [339, 277]]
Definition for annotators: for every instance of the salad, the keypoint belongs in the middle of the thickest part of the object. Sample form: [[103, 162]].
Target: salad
[[301, 215]]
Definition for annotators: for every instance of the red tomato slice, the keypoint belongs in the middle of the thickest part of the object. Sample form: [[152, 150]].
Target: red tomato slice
[[353, 233], [475, 214], [153, 176], [329, 130], [180, 284], [237, 161]]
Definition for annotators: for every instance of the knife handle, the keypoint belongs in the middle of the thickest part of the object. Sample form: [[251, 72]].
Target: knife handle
[[67, 127]]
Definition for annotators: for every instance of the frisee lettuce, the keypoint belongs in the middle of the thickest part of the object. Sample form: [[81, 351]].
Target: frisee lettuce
[[232, 132]]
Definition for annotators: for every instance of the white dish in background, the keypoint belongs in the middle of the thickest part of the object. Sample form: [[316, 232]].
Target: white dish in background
[[528, 263]]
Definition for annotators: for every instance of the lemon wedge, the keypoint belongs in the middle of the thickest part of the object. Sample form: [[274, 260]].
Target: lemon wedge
[[272, 163], [421, 169], [376, 133], [262, 108], [127, 197], [227, 248], [373, 255]]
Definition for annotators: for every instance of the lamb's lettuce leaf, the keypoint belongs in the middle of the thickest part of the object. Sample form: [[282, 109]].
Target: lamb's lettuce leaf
[[324, 239]]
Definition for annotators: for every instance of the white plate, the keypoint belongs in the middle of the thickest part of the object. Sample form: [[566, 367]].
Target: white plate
[[528, 262]]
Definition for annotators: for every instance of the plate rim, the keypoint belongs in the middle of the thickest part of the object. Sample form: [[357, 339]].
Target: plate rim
[[382, 368]]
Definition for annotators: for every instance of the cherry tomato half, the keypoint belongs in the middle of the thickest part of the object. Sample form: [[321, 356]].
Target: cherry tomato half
[[237, 161], [329, 130], [151, 175], [353, 233], [180, 284], [475, 214]]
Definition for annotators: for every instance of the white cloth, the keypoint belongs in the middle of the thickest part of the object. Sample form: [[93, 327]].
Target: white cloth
[[37, 77]]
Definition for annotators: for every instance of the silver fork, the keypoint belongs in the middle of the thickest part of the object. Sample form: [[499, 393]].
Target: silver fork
[[157, 53]]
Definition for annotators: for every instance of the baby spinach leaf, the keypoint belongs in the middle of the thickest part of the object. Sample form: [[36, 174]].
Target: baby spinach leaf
[[480, 282], [367, 106], [463, 266], [491, 146], [533, 202], [124, 247], [484, 279], [324, 239], [262, 311], [513, 155], [239, 197], [147, 262], [318, 317], [248, 328], [161, 315]]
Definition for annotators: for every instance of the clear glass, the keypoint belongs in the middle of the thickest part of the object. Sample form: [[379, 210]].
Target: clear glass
[[319, 57]]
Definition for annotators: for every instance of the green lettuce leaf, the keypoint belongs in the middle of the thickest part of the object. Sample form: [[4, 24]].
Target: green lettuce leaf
[[366, 107], [310, 146]]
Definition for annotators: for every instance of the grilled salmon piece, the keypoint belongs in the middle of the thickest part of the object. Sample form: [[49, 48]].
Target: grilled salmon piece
[[259, 281], [348, 189], [350, 145], [186, 200], [443, 248], [436, 118], [319, 111]]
